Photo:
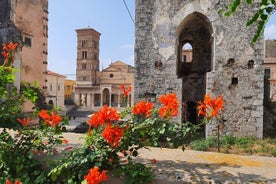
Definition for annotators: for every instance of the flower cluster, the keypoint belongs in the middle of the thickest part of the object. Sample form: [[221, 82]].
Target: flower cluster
[[103, 116], [125, 91], [24, 122], [170, 105], [143, 109], [209, 108], [95, 176], [106, 117], [52, 119], [8, 52], [113, 134], [10, 182]]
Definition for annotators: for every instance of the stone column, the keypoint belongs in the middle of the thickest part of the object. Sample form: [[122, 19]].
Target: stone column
[[88, 96], [110, 99], [119, 104], [92, 100]]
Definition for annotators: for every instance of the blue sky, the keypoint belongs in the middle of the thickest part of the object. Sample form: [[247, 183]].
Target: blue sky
[[110, 18]]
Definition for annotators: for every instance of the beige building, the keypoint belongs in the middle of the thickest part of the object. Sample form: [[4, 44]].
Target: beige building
[[95, 88], [26, 22], [270, 67], [55, 89], [69, 90]]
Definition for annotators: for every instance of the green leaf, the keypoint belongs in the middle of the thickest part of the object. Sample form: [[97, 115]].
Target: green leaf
[[253, 19]]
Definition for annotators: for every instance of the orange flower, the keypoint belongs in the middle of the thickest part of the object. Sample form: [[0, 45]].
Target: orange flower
[[10, 182], [153, 160], [65, 141], [51, 120], [94, 176], [68, 148], [8, 51], [17, 182], [104, 115], [113, 135], [209, 108], [55, 151], [142, 108], [170, 105], [24, 121], [44, 114], [125, 91]]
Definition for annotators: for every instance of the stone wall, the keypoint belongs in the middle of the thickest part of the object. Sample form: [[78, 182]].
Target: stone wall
[[222, 50]]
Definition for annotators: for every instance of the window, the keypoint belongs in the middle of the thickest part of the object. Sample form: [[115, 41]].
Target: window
[[28, 41], [51, 87], [95, 57], [83, 66], [95, 44], [184, 58], [267, 73], [84, 43], [58, 87], [84, 54], [84, 78], [187, 53]]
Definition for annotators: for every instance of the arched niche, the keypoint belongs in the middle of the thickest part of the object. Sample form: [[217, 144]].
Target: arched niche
[[196, 31]]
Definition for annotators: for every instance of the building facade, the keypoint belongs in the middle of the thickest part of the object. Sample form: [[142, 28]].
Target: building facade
[[55, 89], [26, 22], [69, 91], [270, 68], [95, 88], [224, 62]]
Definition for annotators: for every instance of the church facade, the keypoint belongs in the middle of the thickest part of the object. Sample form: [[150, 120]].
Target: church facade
[[95, 88]]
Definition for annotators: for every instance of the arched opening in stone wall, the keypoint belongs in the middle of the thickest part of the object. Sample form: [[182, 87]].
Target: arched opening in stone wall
[[196, 31], [106, 97]]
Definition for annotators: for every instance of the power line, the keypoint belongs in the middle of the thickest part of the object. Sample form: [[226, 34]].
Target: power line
[[128, 11]]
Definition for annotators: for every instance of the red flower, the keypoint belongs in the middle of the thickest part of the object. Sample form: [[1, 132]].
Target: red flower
[[65, 141], [68, 148], [55, 151], [9, 182], [51, 120], [170, 105], [94, 176], [113, 135], [24, 121], [209, 108], [153, 160], [17, 182], [8, 51], [104, 115], [125, 91], [142, 108]]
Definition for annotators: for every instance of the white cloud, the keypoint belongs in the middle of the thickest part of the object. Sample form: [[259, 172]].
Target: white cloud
[[270, 32]]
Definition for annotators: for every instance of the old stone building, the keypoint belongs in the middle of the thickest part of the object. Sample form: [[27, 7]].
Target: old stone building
[[55, 89], [95, 88], [270, 68], [224, 62], [26, 22]]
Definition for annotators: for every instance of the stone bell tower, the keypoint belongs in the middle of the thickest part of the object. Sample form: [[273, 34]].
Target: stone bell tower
[[224, 62]]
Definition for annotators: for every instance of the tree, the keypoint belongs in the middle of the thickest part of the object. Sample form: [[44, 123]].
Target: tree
[[266, 9]]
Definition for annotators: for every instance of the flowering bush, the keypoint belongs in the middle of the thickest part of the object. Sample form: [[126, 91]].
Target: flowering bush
[[20, 144], [112, 141]]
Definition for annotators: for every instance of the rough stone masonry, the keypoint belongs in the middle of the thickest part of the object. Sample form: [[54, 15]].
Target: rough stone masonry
[[224, 62]]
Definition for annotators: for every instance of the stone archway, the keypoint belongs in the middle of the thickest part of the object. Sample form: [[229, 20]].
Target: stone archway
[[106, 97], [195, 30]]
